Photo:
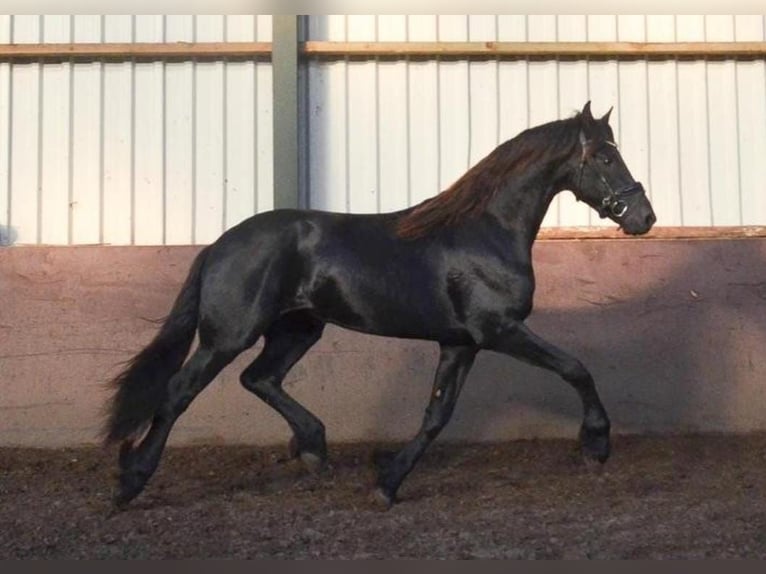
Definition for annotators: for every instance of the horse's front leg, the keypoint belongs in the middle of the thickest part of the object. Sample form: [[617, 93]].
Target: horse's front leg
[[520, 342]]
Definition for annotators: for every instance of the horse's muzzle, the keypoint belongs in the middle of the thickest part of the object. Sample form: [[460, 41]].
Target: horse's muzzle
[[639, 219]]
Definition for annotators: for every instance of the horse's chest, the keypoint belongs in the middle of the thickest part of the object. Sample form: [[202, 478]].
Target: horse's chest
[[498, 292]]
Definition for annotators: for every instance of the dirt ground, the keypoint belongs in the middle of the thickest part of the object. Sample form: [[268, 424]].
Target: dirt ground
[[658, 497]]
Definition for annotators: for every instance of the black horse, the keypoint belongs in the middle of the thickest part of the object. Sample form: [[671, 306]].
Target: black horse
[[456, 269]]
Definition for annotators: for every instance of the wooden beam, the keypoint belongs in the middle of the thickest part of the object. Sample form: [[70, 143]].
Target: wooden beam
[[535, 49], [733, 232], [315, 49], [146, 50], [239, 50]]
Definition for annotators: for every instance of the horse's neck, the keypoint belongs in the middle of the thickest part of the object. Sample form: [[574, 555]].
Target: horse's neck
[[521, 206]]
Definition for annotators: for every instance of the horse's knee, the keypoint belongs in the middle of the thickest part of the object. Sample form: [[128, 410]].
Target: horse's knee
[[256, 382]]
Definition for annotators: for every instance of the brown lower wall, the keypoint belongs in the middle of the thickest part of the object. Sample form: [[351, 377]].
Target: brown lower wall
[[674, 332]]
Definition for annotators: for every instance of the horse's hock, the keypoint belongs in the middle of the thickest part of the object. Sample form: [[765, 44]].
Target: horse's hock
[[672, 330]]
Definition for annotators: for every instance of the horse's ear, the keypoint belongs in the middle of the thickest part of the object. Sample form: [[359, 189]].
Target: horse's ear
[[587, 123], [605, 119], [586, 113]]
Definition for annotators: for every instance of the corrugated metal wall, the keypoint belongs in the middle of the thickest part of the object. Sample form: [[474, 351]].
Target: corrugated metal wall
[[387, 134], [174, 153], [133, 152]]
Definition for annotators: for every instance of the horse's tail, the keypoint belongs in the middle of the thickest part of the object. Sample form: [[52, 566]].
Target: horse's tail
[[142, 386]]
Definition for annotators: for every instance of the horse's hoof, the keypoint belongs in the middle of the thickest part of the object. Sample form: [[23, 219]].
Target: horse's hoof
[[382, 500], [131, 484], [313, 462], [594, 445], [122, 498]]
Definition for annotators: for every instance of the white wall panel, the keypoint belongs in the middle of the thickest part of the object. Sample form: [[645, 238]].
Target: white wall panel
[[544, 90], [632, 107], [328, 115], [513, 79], [86, 150], [25, 136], [573, 92], [56, 135], [693, 128], [603, 85], [148, 135], [751, 112], [362, 122], [393, 119], [699, 163], [723, 128], [179, 137], [483, 82], [117, 126], [664, 176], [209, 123], [424, 100], [239, 117], [133, 152], [454, 105], [175, 152]]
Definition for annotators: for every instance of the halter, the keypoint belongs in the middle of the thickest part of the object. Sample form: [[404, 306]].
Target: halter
[[614, 202]]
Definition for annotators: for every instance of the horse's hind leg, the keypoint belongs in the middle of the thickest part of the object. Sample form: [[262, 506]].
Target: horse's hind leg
[[138, 464], [286, 341], [454, 365]]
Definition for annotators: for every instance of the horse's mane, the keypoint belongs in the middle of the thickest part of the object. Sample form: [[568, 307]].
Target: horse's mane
[[469, 195]]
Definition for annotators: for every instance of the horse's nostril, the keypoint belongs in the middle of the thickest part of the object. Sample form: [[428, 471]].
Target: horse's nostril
[[650, 219]]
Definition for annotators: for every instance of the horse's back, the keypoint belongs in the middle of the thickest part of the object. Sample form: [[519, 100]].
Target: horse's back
[[351, 270]]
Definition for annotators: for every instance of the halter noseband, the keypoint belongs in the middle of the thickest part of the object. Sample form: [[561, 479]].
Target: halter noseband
[[614, 202]]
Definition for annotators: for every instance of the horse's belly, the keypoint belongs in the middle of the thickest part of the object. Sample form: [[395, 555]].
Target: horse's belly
[[384, 309]]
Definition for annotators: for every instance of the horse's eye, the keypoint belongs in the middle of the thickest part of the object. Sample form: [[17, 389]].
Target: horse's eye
[[606, 160]]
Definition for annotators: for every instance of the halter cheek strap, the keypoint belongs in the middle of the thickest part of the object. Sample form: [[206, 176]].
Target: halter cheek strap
[[613, 203]]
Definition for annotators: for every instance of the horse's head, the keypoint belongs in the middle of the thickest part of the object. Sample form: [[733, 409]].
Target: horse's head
[[603, 181]]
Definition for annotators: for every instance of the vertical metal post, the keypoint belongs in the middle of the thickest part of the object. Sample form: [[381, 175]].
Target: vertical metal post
[[284, 61]]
